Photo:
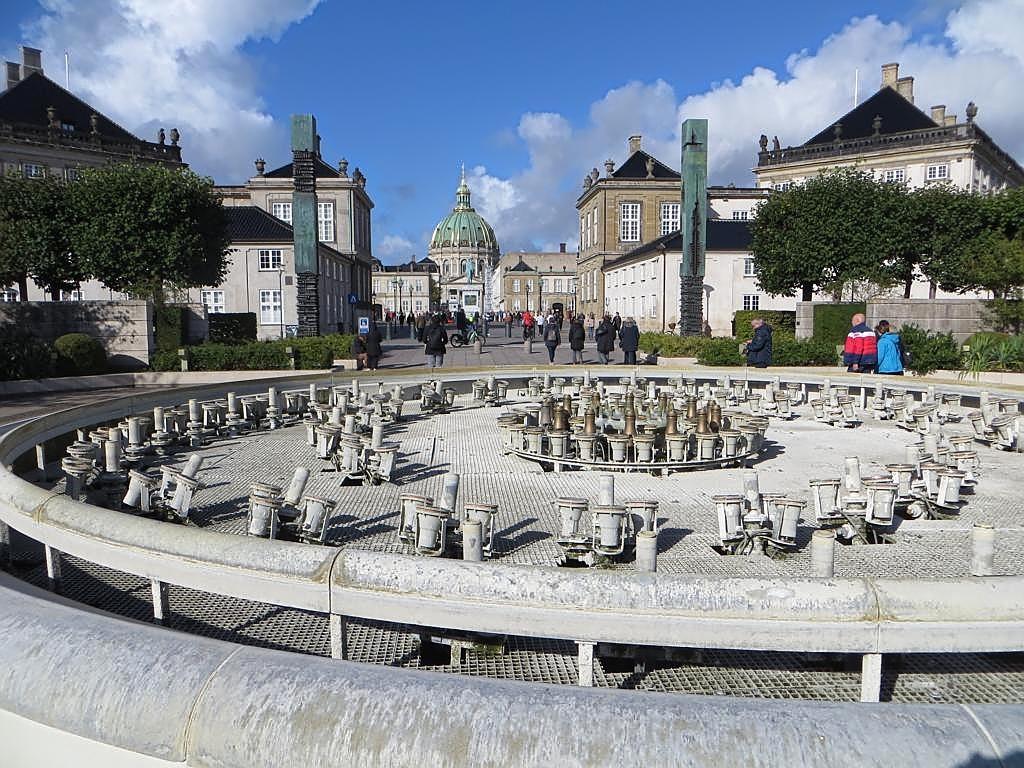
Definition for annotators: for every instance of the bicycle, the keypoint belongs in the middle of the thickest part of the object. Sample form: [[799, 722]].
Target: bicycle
[[470, 336]]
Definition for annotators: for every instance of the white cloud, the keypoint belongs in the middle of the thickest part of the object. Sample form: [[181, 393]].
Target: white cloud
[[979, 58], [147, 64], [393, 248]]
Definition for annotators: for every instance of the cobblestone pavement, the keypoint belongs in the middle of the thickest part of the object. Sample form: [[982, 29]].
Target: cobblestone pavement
[[467, 441]]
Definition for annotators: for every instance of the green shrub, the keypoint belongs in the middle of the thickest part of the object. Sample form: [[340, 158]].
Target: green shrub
[[832, 321], [986, 336], [721, 351], [228, 327], [79, 354], [23, 356], [993, 352], [786, 350], [168, 326], [781, 321], [671, 345], [929, 350], [311, 353]]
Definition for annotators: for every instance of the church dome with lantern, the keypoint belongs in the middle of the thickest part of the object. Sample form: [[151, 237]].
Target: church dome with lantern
[[463, 241]]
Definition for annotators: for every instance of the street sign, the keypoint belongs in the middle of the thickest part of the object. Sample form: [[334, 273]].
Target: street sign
[[353, 299], [364, 323]]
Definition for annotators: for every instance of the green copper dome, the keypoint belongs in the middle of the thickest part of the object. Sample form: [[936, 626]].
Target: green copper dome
[[464, 227]]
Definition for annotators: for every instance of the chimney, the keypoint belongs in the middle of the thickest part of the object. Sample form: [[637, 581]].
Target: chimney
[[950, 120], [905, 88], [31, 61], [13, 73], [561, 247], [889, 74], [939, 114], [634, 144]]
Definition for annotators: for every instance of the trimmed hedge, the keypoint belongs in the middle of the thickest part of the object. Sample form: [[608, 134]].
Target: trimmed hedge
[[227, 327], [671, 345], [717, 350], [832, 321], [781, 321], [24, 356], [311, 353], [168, 327], [79, 354]]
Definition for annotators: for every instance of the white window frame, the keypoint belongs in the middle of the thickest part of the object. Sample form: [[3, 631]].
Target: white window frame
[[751, 302], [72, 174], [748, 267], [937, 172], [739, 215], [516, 285], [325, 221], [8, 295], [213, 300], [33, 170], [270, 307], [271, 259], [282, 211], [895, 175], [74, 295], [593, 223], [558, 285], [669, 217], [653, 309], [629, 222]]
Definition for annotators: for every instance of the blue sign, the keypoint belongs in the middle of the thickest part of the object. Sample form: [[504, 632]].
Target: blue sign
[[364, 324], [353, 299]]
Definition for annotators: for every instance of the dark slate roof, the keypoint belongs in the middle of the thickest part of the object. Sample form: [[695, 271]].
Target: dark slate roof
[[897, 115], [322, 170], [522, 266], [723, 235], [26, 103], [248, 222], [635, 167]]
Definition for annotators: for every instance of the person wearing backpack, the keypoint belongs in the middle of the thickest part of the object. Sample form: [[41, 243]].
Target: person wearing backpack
[[577, 338], [552, 338], [435, 340], [890, 350]]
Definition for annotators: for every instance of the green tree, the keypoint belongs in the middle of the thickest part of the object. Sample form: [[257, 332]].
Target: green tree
[[35, 235], [832, 229], [147, 229]]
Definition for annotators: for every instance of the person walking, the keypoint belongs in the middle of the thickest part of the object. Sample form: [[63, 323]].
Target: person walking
[[359, 351], [590, 325], [528, 325], [552, 338], [374, 350], [605, 335], [617, 323], [890, 350], [759, 347], [860, 353], [435, 339], [577, 338], [460, 321], [629, 340], [508, 324]]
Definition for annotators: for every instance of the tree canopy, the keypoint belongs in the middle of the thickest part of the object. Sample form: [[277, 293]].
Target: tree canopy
[[138, 229]]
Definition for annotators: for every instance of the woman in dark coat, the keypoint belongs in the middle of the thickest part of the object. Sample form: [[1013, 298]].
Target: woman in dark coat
[[552, 338], [435, 340], [373, 347], [605, 336], [629, 340], [759, 348], [577, 338]]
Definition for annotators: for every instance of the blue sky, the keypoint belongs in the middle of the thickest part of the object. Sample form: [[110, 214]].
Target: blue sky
[[529, 95]]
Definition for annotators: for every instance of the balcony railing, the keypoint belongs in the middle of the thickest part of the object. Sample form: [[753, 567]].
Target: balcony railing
[[89, 142]]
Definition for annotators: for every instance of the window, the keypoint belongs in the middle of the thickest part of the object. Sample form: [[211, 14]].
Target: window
[[75, 295], [282, 211], [325, 221], [934, 172], [653, 306], [33, 171], [896, 174], [739, 215], [72, 174], [515, 286], [419, 305], [586, 231], [558, 285], [629, 222], [751, 302], [632, 274], [782, 186], [669, 217], [213, 301], [748, 267], [643, 306], [529, 286], [593, 235], [270, 307], [8, 294], [270, 260]]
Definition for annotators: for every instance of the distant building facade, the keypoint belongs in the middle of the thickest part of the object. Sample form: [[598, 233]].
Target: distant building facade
[[404, 288], [465, 250], [537, 281], [889, 137]]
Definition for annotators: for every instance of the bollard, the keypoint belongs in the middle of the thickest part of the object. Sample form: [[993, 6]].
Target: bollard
[[449, 491], [528, 346], [377, 437], [983, 544], [477, 347], [823, 552], [606, 494], [647, 551], [472, 541]]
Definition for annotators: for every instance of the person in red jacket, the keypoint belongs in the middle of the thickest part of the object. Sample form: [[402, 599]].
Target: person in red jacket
[[861, 351]]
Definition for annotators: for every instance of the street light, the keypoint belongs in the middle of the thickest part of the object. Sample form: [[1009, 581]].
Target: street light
[[397, 283]]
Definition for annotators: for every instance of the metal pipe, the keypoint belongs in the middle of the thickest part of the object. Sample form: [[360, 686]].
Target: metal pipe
[[449, 491], [647, 551], [472, 541], [983, 545], [606, 493], [823, 551]]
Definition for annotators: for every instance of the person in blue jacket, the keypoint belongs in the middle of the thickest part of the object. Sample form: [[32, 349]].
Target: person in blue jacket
[[759, 348], [890, 350]]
